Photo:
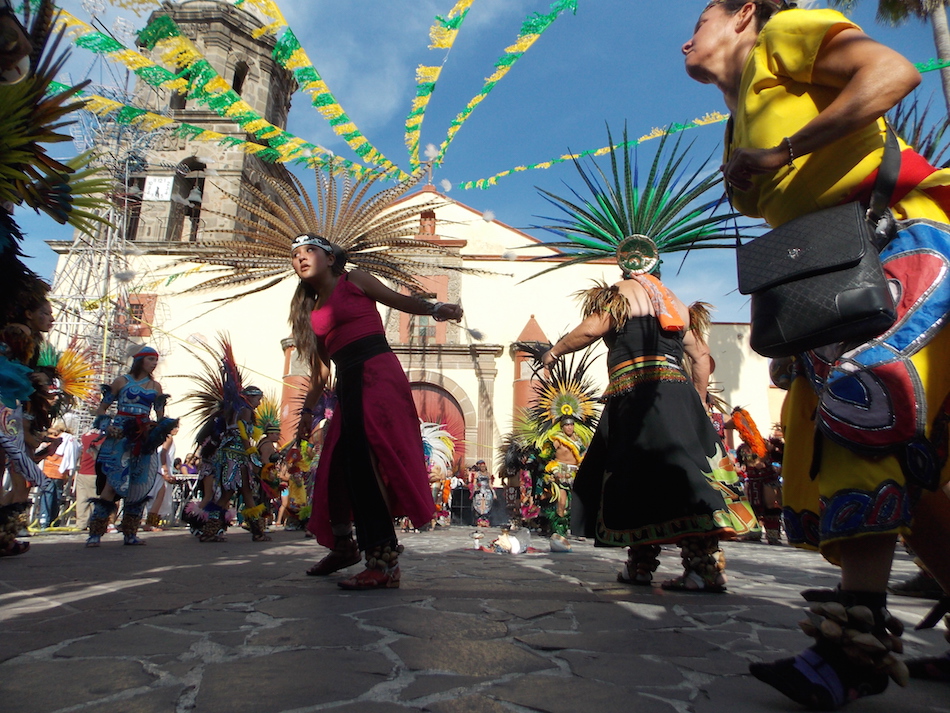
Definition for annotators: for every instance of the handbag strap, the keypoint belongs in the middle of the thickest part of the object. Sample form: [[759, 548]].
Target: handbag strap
[[887, 176]]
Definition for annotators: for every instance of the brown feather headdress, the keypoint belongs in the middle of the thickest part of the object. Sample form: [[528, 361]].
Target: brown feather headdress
[[376, 236]]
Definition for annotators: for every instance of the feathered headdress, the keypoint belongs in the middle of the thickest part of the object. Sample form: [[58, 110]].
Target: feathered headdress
[[375, 236], [621, 219], [232, 378], [438, 445], [74, 373], [219, 384], [267, 415], [566, 391], [31, 117]]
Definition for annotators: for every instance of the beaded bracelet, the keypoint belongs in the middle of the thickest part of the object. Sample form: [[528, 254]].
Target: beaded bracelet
[[791, 153]]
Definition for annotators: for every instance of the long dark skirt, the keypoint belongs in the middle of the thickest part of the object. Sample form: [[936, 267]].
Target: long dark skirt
[[649, 476]]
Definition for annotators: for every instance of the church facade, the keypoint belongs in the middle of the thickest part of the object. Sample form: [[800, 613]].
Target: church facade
[[465, 376]]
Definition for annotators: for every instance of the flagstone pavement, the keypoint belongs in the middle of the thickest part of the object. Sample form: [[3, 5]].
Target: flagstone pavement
[[179, 626]]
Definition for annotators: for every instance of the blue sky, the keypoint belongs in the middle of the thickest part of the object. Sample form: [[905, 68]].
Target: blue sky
[[614, 62]]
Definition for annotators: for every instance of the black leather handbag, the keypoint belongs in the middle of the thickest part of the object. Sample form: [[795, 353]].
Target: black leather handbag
[[817, 280]]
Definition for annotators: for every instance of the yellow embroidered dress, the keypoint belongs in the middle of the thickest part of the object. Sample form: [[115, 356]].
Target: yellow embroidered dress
[[874, 406]]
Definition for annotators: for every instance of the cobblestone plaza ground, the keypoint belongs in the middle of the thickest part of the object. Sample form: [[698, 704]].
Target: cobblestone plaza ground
[[237, 627]]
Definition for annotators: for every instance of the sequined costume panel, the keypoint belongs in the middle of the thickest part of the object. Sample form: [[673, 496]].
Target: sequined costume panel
[[878, 407], [128, 457]]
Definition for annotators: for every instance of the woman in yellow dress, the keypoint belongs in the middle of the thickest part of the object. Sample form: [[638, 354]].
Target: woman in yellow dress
[[807, 90]]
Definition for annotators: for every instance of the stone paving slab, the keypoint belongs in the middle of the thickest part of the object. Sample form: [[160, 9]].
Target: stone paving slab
[[184, 627], [572, 694], [45, 685]]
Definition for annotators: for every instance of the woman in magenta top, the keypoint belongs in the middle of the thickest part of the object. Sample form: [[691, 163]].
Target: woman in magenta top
[[372, 467]]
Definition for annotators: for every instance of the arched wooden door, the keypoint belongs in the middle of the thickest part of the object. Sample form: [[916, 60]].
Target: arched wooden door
[[436, 405]]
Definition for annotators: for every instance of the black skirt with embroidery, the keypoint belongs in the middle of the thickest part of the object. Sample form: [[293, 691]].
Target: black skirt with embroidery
[[647, 477]]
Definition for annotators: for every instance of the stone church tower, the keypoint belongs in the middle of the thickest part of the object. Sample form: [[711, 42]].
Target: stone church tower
[[180, 177]]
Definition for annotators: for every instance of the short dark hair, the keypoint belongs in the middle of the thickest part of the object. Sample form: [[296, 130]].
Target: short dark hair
[[765, 9]]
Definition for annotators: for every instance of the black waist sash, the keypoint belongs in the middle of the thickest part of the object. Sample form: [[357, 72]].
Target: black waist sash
[[374, 523], [359, 351]]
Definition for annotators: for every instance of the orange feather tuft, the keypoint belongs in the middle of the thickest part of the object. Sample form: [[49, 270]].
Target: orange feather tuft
[[748, 431]]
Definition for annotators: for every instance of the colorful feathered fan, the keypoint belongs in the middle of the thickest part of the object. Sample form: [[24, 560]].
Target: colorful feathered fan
[[438, 445], [748, 431], [74, 370], [77, 368]]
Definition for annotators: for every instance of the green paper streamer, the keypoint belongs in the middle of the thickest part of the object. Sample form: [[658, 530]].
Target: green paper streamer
[[284, 48], [127, 114], [198, 74], [534, 24], [99, 43], [932, 65], [189, 131], [161, 28]]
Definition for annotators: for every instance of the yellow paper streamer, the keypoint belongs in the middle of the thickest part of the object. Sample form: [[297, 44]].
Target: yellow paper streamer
[[441, 36], [269, 9], [136, 6], [150, 121], [714, 117], [182, 53], [318, 90]]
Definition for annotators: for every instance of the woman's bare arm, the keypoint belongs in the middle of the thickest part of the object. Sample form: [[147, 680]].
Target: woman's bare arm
[[698, 352], [115, 388], [587, 332], [376, 290], [872, 78]]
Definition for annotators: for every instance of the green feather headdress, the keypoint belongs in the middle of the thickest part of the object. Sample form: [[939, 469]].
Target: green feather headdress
[[565, 390], [671, 207]]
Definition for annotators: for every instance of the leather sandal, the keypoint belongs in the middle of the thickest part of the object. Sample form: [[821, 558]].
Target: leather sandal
[[335, 561], [638, 579], [371, 578]]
